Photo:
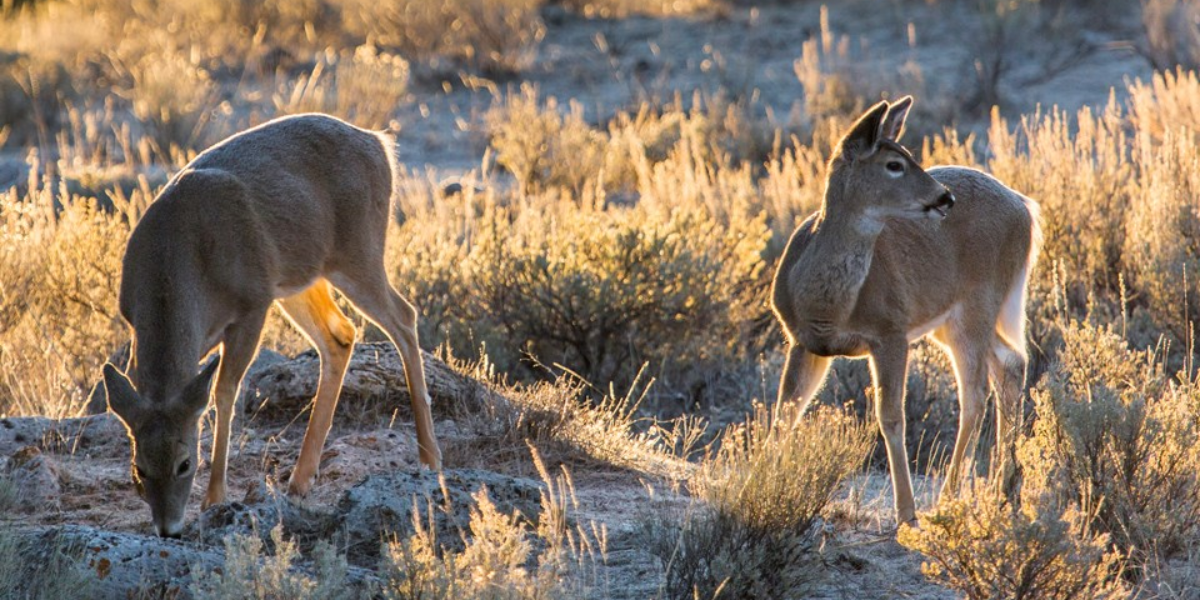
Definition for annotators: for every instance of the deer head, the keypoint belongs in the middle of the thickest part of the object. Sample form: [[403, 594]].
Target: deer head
[[163, 435], [873, 177]]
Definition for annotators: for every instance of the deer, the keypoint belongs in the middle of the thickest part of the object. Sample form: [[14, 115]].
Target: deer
[[281, 214], [897, 253]]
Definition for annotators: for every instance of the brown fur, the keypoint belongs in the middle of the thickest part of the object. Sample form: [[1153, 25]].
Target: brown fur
[[283, 212], [877, 268]]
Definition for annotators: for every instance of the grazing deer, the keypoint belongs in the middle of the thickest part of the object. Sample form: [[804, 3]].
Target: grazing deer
[[886, 261], [283, 213]]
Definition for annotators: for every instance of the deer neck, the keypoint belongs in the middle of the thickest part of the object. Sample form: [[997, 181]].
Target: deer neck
[[835, 266], [167, 348]]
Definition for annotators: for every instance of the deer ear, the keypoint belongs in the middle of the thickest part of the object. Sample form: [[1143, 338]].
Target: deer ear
[[123, 400], [893, 123], [194, 396], [863, 137]]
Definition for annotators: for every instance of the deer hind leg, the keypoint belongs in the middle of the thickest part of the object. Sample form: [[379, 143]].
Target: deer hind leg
[[1007, 368], [969, 356], [238, 348], [315, 314], [803, 374], [375, 298], [889, 370]]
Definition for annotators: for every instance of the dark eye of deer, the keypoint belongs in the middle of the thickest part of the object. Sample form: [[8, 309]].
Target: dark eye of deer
[[184, 467], [895, 166]]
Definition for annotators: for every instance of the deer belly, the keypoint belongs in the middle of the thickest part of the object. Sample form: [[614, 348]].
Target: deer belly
[[922, 330], [822, 342]]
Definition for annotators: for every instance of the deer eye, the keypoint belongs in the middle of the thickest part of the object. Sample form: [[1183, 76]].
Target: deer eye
[[895, 166], [184, 467]]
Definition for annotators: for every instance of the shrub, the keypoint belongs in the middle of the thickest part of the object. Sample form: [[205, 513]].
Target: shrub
[[619, 9], [1162, 241], [364, 87], [248, 575], [1167, 103], [172, 98], [1172, 36], [750, 530], [542, 147], [586, 289], [986, 548], [499, 561], [492, 38], [1118, 439], [58, 319]]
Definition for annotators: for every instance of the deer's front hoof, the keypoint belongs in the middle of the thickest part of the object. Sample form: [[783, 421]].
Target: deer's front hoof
[[299, 487], [212, 498]]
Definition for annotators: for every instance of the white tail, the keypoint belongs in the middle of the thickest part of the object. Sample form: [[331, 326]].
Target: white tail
[[285, 212], [897, 253]]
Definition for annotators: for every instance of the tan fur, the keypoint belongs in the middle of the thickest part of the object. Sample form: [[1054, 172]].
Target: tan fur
[[878, 267], [283, 212]]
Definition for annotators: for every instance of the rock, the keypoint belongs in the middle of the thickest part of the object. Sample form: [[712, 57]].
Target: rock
[[98, 398], [382, 506], [378, 508], [34, 480], [375, 376], [118, 565], [95, 434], [258, 513], [112, 565]]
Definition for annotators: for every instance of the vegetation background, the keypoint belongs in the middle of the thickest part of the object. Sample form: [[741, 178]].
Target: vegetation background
[[593, 197]]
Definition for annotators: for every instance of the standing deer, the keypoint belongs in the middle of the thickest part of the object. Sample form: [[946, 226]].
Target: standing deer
[[886, 261], [283, 213]]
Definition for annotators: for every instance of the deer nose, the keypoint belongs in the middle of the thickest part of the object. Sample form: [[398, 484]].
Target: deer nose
[[946, 200], [174, 531]]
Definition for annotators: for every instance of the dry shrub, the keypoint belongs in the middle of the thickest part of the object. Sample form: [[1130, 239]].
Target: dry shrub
[[489, 37], [1172, 29], [542, 147], [546, 147], [841, 80], [984, 547], [620, 9], [364, 87], [585, 291], [750, 532], [499, 561], [171, 97], [58, 320], [1014, 33], [597, 287], [1119, 439], [248, 575], [1168, 103], [1080, 173], [1162, 242]]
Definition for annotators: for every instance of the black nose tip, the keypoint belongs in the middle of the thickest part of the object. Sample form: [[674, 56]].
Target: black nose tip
[[947, 199]]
